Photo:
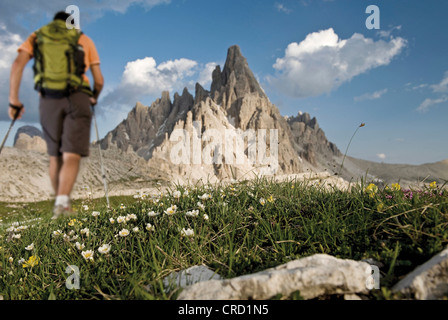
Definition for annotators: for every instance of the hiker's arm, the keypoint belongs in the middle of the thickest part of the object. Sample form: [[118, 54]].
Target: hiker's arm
[[98, 81], [15, 80]]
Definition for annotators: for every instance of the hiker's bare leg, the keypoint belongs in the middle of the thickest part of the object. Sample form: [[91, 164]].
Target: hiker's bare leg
[[68, 173], [55, 168]]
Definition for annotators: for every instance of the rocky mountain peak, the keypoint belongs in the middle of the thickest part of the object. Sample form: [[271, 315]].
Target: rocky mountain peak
[[30, 138], [236, 76], [31, 131], [312, 143], [236, 102]]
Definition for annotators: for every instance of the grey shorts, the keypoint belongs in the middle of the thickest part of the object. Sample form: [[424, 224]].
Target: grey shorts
[[66, 124]]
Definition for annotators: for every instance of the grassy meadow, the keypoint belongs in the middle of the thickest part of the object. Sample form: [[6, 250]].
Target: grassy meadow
[[126, 251]]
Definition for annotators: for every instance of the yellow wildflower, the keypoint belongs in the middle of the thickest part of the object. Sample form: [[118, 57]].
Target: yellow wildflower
[[72, 222], [371, 189], [396, 187], [380, 207], [31, 262], [433, 185]]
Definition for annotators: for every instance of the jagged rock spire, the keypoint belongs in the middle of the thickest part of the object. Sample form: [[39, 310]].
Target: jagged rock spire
[[236, 75]]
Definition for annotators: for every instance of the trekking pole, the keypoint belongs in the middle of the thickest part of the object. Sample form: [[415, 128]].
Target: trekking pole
[[18, 109], [101, 159]]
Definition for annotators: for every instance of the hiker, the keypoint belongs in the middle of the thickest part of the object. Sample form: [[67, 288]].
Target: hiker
[[62, 56]]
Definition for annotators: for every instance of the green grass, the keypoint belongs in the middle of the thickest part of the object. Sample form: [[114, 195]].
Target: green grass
[[242, 235]]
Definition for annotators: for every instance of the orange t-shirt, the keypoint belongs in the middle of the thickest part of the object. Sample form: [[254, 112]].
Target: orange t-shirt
[[90, 53]]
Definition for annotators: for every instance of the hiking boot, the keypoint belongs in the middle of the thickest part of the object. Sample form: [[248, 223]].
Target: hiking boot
[[61, 211]]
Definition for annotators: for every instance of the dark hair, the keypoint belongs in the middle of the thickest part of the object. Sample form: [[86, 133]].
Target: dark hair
[[61, 15]]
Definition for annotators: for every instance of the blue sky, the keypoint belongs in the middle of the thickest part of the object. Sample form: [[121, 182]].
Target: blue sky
[[314, 56]]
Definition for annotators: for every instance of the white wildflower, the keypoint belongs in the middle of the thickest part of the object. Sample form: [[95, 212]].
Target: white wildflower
[[149, 227], [124, 233], [104, 249], [171, 210], [95, 213], [201, 206], [192, 213], [79, 246], [205, 196], [57, 233], [121, 219], [176, 194], [187, 232], [152, 214], [30, 247], [88, 255]]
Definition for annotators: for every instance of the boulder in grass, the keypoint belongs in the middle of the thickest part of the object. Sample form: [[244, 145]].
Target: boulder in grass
[[429, 281], [313, 276]]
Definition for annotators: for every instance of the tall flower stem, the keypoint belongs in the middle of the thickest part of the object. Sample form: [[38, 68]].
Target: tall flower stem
[[348, 146]]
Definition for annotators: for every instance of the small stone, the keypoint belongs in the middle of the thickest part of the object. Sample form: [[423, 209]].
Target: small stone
[[428, 281]]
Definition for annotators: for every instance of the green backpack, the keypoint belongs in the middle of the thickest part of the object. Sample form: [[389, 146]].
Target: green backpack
[[59, 61]]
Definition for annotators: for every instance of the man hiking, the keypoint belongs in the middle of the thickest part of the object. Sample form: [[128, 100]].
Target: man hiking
[[62, 57]]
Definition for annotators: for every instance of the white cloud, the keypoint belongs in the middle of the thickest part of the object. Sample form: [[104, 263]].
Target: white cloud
[[420, 86], [387, 33], [425, 105], [145, 75], [322, 62], [281, 8], [9, 42], [205, 76], [382, 156], [145, 79], [371, 96], [441, 87]]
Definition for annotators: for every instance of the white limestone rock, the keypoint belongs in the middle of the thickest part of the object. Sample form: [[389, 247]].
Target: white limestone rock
[[313, 276], [429, 281]]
